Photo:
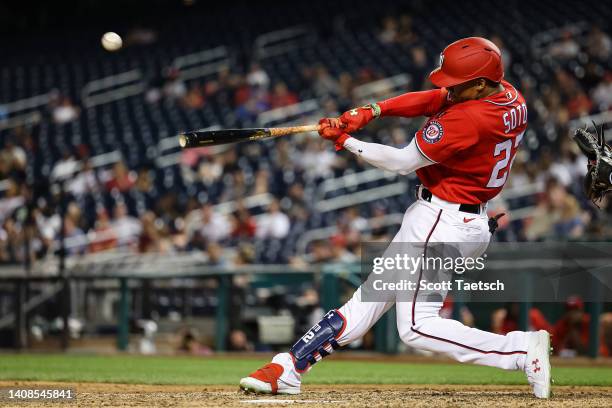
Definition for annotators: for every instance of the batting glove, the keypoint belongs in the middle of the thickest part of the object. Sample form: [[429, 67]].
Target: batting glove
[[331, 129], [357, 118]]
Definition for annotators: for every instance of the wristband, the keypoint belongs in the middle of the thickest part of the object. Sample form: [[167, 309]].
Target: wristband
[[375, 109]]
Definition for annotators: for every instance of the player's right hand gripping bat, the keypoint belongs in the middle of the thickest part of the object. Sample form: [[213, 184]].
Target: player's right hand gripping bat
[[200, 138]]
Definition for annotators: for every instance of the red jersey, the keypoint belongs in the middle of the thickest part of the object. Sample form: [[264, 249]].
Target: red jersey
[[473, 145]]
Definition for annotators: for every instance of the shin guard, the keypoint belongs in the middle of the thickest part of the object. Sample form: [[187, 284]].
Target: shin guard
[[320, 341]]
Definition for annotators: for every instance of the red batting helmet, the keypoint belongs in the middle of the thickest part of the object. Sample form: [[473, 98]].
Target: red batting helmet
[[467, 59]]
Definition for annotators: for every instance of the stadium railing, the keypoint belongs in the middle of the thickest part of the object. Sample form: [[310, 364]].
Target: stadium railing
[[203, 63], [112, 88], [23, 112], [281, 41], [129, 267]]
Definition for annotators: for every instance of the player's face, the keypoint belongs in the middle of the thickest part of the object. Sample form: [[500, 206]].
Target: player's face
[[466, 91]]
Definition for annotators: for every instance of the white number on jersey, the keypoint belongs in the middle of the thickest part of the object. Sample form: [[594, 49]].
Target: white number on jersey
[[496, 180]]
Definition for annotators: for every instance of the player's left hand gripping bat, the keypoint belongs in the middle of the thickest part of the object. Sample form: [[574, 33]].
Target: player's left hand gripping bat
[[200, 138]]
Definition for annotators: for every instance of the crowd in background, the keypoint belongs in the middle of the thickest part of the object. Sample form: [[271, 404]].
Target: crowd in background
[[580, 84], [118, 207]]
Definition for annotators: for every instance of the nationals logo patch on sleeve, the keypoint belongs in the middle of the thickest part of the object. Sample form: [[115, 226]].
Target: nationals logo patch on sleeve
[[432, 132]]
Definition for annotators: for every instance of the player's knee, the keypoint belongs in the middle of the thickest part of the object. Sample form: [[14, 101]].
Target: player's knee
[[320, 341]]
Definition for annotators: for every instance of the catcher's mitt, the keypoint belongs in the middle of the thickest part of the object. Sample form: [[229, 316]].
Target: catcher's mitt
[[598, 180]]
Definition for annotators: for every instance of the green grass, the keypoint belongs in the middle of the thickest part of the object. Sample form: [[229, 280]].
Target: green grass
[[208, 371]]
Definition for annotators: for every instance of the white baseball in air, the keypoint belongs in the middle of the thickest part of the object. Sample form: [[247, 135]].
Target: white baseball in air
[[111, 41]]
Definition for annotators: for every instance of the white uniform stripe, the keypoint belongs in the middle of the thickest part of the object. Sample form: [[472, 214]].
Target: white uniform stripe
[[421, 151], [505, 103]]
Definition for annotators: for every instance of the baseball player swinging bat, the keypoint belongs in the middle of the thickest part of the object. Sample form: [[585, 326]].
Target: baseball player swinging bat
[[462, 155], [200, 138]]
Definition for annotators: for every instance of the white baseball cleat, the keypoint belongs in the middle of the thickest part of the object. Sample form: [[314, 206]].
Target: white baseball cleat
[[537, 365], [272, 378]]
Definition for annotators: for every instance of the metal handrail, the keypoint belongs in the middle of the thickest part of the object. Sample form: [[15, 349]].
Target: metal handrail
[[364, 196], [326, 232], [202, 63], [390, 86], [352, 180], [598, 118], [278, 42], [26, 103], [539, 40], [112, 88], [273, 116]]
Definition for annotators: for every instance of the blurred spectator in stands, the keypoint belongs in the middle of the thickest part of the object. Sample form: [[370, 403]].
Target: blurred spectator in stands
[[506, 319], [465, 315], [366, 75], [282, 96], [602, 94], [571, 333], [310, 311], [214, 226], [180, 240], [419, 67], [552, 167], [257, 103], [48, 222], [126, 228], [599, 44], [379, 231], [210, 169], [346, 234], [344, 98], [245, 255], [174, 88], [317, 159], [323, 83], [105, 237], [4, 245], [569, 166], [238, 341], [389, 31], [557, 215], [12, 199], [194, 99], [189, 343], [154, 91], [243, 224], [405, 32], [242, 91], [85, 181], [65, 167], [150, 237], [236, 186], [215, 254], [320, 252], [12, 249], [566, 48], [274, 223], [506, 54], [339, 251], [257, 76], [64, 111], [354, 220], [76, 240], [296, 198], [120, 178], [13, 155], [578, 104], [261, 182]]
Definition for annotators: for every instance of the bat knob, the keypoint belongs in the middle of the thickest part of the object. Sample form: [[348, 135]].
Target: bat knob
[[183, 140]]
